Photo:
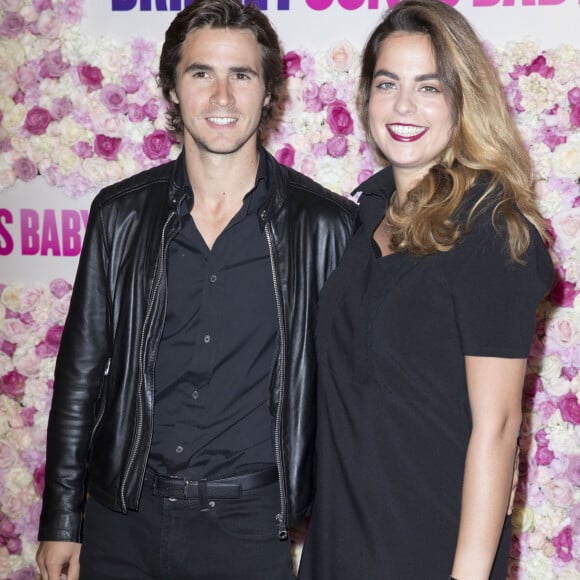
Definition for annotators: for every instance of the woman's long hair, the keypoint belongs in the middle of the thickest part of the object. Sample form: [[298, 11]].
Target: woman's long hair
[[484, 137]]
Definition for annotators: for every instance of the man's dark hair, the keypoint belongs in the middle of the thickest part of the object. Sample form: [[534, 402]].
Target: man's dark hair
[[220, 14]]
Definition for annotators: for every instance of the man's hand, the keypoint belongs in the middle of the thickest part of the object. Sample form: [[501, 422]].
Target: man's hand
[[58, 560]]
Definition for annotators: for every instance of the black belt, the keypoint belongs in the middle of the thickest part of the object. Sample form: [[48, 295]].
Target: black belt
[[225, 488]]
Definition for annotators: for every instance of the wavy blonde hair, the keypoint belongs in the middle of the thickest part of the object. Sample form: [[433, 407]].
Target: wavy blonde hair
[[484, 137]]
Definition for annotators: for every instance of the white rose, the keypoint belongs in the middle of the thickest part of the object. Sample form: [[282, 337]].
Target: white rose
[[558, 387], [66, 159], [128, 164], [18, 480], [7, 177], [71, 132], [12, 54], [568, 574], [14, 118], [566, 160], [551, 368], [549, 200]]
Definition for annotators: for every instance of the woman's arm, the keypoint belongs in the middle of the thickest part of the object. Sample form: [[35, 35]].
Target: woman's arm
[[495, 391]]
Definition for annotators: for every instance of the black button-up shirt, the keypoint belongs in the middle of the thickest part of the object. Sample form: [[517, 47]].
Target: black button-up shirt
[[213, 370]]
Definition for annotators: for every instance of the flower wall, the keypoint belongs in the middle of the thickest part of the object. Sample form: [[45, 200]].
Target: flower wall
[[83, 112]]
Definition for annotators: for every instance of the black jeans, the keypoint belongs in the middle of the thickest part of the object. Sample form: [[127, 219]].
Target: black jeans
[[174, 539]]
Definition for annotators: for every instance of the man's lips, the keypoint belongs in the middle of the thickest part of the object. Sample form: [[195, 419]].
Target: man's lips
[[406, 133]]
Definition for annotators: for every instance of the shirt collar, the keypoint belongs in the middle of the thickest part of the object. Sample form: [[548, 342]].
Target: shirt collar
[[253, 200]]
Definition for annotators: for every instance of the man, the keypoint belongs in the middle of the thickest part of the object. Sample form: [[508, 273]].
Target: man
[[180, 438]]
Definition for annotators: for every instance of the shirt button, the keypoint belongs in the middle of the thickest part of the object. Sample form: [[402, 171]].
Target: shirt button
[[213, 278], [195, 394], [206, 338], [179, 449]]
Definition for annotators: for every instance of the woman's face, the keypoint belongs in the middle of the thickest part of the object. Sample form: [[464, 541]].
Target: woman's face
[[410, 118]]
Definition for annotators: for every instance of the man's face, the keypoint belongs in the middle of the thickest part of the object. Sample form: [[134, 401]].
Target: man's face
[[220, 90]]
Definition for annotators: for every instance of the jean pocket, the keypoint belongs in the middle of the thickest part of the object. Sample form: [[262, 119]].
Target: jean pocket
[[253, 516]]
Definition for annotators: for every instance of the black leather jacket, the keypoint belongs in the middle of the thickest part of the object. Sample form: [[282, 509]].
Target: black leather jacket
[[100, 424]]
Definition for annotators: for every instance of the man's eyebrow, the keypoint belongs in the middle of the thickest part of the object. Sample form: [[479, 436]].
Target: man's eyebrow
[[420, 78], [198, 66]]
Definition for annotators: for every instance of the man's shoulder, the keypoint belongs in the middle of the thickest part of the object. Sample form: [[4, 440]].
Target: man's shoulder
[[140, 183], [301, 188]]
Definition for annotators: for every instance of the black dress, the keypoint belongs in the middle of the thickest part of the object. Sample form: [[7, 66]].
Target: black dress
[[393, 414]]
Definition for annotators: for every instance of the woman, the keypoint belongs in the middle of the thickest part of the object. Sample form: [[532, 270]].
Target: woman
[[425, 327]]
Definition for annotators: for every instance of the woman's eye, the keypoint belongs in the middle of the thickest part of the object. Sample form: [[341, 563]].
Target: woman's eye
[[430, 89], [386, 85]]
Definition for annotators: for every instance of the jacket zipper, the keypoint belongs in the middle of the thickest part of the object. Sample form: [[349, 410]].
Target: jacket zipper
[[102, 407], [281, 517], [139, 425]]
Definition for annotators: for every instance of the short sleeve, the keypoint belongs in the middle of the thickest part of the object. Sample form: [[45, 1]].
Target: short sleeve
[[495, 298]]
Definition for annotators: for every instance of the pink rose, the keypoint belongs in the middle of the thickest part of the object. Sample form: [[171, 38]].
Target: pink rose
[[339, 119], [59, 287], [24, 169], [40, 5], [327, 93], [574, 96], [574, 514], [151, 109], [5, 145], [575, 115], [310, 91], [135, 113], [573, 472], [314, 105], [83, 149], [90, 76], [39, 474], [542, 438], [569, 408], [61, 107], [552, 139], [559, 492], [130, 83], [337, 146], [364, 175], [12, 25], [37, 120], [308, 166], [544, 456], [285, 155], [7, 348], [291, 63], [12, 384], [563, 292], [567, 226], [319, 150], [157, 145], [114, 98], [8, 456], [28, 416], [14, 546], [54, 335], [48, 24], [341, 58], [563, 544], [539, 65], [52, 66], [107, 147]]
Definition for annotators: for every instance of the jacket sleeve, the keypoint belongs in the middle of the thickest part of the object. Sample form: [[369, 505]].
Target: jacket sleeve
[[80, 368]]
